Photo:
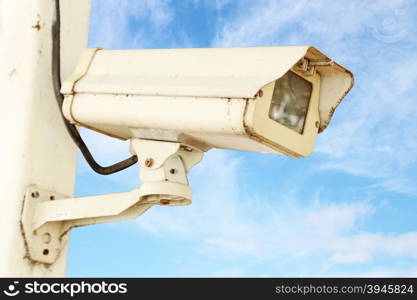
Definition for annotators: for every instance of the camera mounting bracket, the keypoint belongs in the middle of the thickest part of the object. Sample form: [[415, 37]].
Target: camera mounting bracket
[[48, 216]]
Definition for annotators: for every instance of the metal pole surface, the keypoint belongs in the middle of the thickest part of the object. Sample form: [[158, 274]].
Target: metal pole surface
[[35, 148]]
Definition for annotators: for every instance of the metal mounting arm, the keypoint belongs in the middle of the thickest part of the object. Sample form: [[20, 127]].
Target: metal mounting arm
[[48, 216]]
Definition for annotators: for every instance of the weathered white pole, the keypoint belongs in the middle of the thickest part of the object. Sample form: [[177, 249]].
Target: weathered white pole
[[35, 148]]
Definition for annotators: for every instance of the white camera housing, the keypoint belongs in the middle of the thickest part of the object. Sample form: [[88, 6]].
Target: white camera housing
[[207, 98], [175, 104]]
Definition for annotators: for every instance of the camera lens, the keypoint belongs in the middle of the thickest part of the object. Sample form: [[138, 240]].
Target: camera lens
[[290, 101]]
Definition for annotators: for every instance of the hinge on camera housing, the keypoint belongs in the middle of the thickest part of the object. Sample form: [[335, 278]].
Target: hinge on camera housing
[[308, 66]]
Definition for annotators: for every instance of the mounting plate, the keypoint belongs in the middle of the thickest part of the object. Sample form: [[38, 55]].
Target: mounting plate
[[48, 216], [45, 243]]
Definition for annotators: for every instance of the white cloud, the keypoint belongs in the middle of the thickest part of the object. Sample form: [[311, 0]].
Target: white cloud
[[373, 132], [372, 245], [213, 4], [373, 135], [128, 23], [228, 225], [337, 217], [286, 21], [384, 272], [398, 185], [349, 258], [230, 272]]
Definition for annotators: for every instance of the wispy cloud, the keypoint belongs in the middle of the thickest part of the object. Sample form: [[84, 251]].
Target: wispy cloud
[[128, 23], [230, 272], [372, 135], [213, 4], [373, 132], [349, 258], [225, 224]]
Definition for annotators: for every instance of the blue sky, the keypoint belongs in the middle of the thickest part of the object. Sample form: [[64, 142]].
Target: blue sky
[[347, 210]]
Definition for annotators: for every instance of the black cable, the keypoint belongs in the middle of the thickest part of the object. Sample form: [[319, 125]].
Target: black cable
[[72, 129]]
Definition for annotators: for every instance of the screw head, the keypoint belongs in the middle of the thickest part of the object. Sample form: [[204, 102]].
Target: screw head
[[149, 162], [35, 194], [260, 93], [188, 149], [46, 237], [164, 201]]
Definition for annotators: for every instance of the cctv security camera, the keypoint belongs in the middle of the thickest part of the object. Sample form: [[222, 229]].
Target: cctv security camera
[[175, 104], [262, 99]]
